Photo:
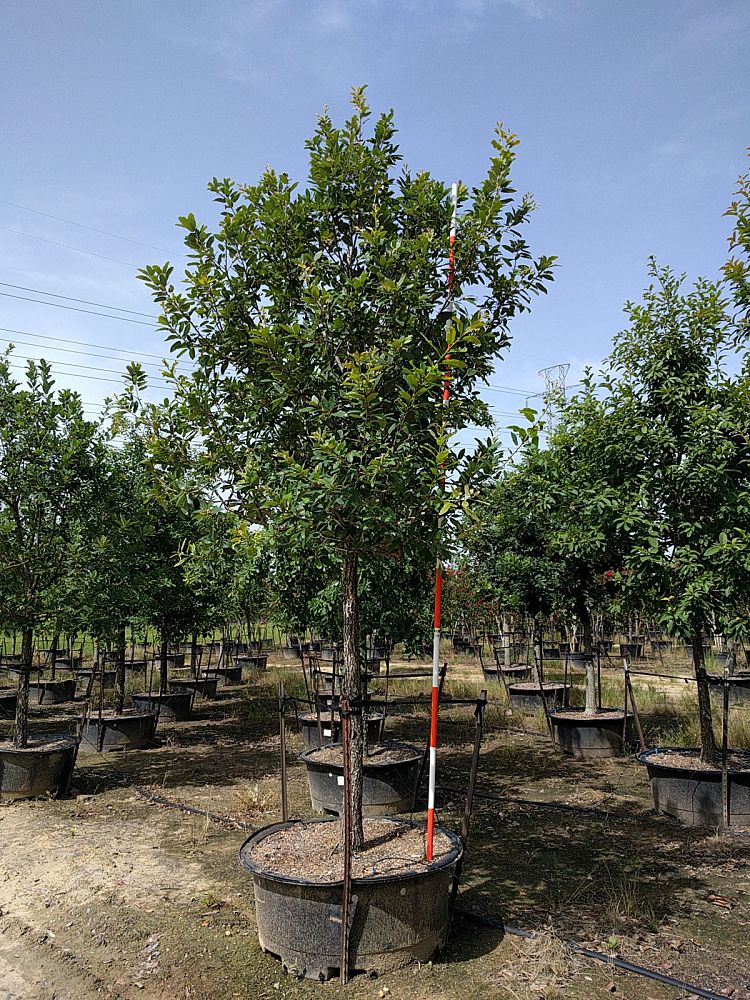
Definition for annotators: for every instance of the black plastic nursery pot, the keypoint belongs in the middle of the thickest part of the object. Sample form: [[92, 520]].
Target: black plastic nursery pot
[[739, 687], [52, 692], [587, 737], [514, 672], [8, 700], [44, 768], [387, 787], [174, 706], [176, 660], [253, 661], [84, 676], [330, 729], [225, 676], [396, 920], [291, 653], [631, 649], [128, 731], [204, 687], [693, 794], [527, 696]]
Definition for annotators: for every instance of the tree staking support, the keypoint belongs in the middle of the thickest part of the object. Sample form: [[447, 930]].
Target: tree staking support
[[435, 700]]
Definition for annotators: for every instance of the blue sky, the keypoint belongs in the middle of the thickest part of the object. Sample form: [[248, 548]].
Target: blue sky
[[634, 118]]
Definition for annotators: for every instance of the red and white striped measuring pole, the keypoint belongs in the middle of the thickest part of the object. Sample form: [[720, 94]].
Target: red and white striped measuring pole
[[439, 572]]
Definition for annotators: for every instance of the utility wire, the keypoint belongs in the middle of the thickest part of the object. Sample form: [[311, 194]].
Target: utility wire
[[90, 312], [71, 298], [70, 350], [91, 229], [78, 343], [68, 246]]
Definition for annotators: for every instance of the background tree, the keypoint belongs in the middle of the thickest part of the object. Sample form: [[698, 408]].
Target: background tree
[[51, 461], [315, 320], [661, 450]]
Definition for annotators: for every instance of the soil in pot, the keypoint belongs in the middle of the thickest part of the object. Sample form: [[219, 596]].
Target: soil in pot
[[400, 904], [591, 736], [43, 768], [391, 772], [689, 790]]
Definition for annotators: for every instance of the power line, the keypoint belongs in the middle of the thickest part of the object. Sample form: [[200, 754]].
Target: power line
[[68, 246], [70, 350], [91, 229], [93, 368], [89, 312], [71, 298], [80, 343]]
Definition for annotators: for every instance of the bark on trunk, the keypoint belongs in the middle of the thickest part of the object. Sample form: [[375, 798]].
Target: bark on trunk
[[120, 672], [592, 706], [21, 730], [708, 743], [351, 687], [163, 666], [53, 655], [193, 653]]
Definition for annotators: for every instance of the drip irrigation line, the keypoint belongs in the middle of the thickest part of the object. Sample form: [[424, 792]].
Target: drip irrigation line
[[91, 229], [72, 298], [89, 312], [161, 800], [597, 956]]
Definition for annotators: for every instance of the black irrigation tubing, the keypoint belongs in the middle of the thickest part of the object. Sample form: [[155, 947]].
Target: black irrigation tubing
[[597, 956], [160, 800]]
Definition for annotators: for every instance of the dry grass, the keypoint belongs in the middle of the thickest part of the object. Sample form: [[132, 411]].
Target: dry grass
[[541, 967], [255, 798]]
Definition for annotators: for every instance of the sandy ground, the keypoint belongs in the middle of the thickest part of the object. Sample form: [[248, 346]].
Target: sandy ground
[[106, 894]]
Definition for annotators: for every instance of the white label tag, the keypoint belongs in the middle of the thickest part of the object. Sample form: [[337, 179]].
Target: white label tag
[[340, 779], [326, 732]]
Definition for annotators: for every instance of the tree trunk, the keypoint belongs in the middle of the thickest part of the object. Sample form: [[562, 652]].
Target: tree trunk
[[120, 672], [21, 731], [351, 687], [193, 654], [53, 655], [708, 743], [163, 666], [592, 703]]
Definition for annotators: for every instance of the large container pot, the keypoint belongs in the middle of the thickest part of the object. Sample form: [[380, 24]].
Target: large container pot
[[739, 687], [387, 787], [128, 731], [203, 687], [52, 692], [330, 729], [291, 653], [253, 661], [631, 650], [8, 701], [42, 769], [225, 676], [605, 734], [693, 796], [528, 698], [173, 706], [515, 672], [176, 660], [83, 678], [396, 919]]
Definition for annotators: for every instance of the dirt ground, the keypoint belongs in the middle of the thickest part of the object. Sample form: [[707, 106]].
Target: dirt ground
[[108, 894]]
